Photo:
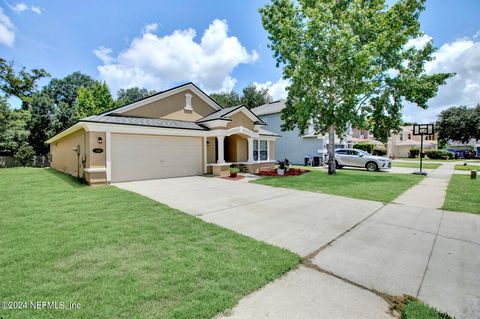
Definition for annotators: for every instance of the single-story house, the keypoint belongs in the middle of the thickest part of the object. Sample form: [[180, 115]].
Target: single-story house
[[292, 145], [177, 132]]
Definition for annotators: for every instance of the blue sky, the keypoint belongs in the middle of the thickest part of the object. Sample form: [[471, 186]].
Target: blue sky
[[218, 44]]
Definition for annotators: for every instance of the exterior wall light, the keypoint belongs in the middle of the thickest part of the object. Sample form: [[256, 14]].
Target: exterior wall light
[[100, 140]]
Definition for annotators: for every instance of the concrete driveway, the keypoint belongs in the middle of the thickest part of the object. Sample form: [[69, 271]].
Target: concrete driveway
[[354, 251], [299, 221]]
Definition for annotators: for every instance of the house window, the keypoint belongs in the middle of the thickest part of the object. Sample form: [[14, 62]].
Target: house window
[[255, 150], [263, 150]]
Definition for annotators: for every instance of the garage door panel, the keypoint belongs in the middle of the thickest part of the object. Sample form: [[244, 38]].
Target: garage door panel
[[140, 157]]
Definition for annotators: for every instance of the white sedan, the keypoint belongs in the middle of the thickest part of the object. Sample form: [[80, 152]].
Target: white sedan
[[359, 158]]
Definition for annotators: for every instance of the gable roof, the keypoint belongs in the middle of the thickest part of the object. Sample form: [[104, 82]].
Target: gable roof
[[163, 94], [270, 108], [143, 121], [224, 114]]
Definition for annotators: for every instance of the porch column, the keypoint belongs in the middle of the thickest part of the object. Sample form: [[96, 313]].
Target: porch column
[[220, 140], [250, 149]]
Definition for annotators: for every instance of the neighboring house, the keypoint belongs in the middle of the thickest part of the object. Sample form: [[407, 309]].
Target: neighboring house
[[177, 132], [472, 144], [364, 136], [291, 144], [400, 144]]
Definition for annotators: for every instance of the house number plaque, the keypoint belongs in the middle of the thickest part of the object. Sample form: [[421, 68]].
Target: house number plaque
[[98, 150]]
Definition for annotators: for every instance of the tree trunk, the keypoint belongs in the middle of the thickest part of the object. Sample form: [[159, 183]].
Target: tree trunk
[[331, 151]]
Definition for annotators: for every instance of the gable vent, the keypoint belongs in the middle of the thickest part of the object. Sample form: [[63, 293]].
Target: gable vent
[[188, 102]]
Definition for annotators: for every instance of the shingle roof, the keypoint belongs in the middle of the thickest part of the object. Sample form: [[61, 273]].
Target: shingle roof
[[142, 121], [270, 108], [219, 114]]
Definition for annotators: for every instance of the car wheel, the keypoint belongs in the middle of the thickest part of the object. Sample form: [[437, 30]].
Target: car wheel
[[338, 166], [372, 166]]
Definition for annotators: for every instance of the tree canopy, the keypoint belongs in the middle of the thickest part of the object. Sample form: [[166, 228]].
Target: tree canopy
[[349, 63], [125, 96], [460, 124], [252, 96], [94, 100], [22, 84]]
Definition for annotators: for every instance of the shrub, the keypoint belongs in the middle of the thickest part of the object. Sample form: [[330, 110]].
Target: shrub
[[234, 170], [379, 152], [439, 154], [414, 152], [25, 154], [367, 147]]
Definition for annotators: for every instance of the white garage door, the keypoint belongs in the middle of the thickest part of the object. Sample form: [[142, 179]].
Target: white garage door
[[140, 157]]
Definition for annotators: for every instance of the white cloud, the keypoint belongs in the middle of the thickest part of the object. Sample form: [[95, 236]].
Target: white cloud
[[462, 57], [37, 10], [7, 30], [19, 7], [158, 62], [277, 90], [103, 54], [150, 28], [22, 6], [419, 42]]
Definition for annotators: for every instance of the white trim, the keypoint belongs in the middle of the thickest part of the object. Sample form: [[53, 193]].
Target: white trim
[[220, 149], [163, 95], [216, 123], [108, 159], [205, 155], [188, 102], [96, 170], [234, 130], [250, 149], [68, 131]]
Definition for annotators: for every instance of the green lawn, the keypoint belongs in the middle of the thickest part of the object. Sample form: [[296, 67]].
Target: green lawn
[[467, 167], [118, 254], [379, 186], [463, 194], [412, 308], [416, 165]]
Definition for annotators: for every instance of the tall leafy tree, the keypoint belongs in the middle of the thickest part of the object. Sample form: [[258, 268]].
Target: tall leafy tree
[[459, 124], [125, 96], [22, 84], [13, 128], [64, 92], [226, 99], [92, 101], [348, 62], [39, 124], [254, 96]]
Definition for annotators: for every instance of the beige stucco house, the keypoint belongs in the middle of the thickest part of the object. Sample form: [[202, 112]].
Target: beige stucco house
[[177, 132], [400, 144]]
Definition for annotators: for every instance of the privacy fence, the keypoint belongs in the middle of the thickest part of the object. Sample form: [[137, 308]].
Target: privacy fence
[[37, 161]]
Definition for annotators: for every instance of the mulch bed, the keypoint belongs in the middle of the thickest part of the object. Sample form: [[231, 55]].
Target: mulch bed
[[289, 172], [234, 178]]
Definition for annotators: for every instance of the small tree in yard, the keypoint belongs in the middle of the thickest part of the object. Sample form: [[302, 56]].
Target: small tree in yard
[[348, 62], [25, 154]]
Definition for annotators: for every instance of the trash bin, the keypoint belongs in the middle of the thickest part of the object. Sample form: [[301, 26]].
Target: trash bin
[[307, 159], [316, 161]]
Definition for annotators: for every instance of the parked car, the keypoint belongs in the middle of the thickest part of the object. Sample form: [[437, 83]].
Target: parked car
[[359, 158]]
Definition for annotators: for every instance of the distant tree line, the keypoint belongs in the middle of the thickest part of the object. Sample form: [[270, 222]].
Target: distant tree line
[[251, 96], [53, 108]]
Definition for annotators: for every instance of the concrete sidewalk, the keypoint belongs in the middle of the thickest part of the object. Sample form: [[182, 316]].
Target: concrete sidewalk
[[431, 191]]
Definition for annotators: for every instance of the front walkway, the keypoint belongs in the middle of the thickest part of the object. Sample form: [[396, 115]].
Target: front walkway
[[431, 191], [354, 251]]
